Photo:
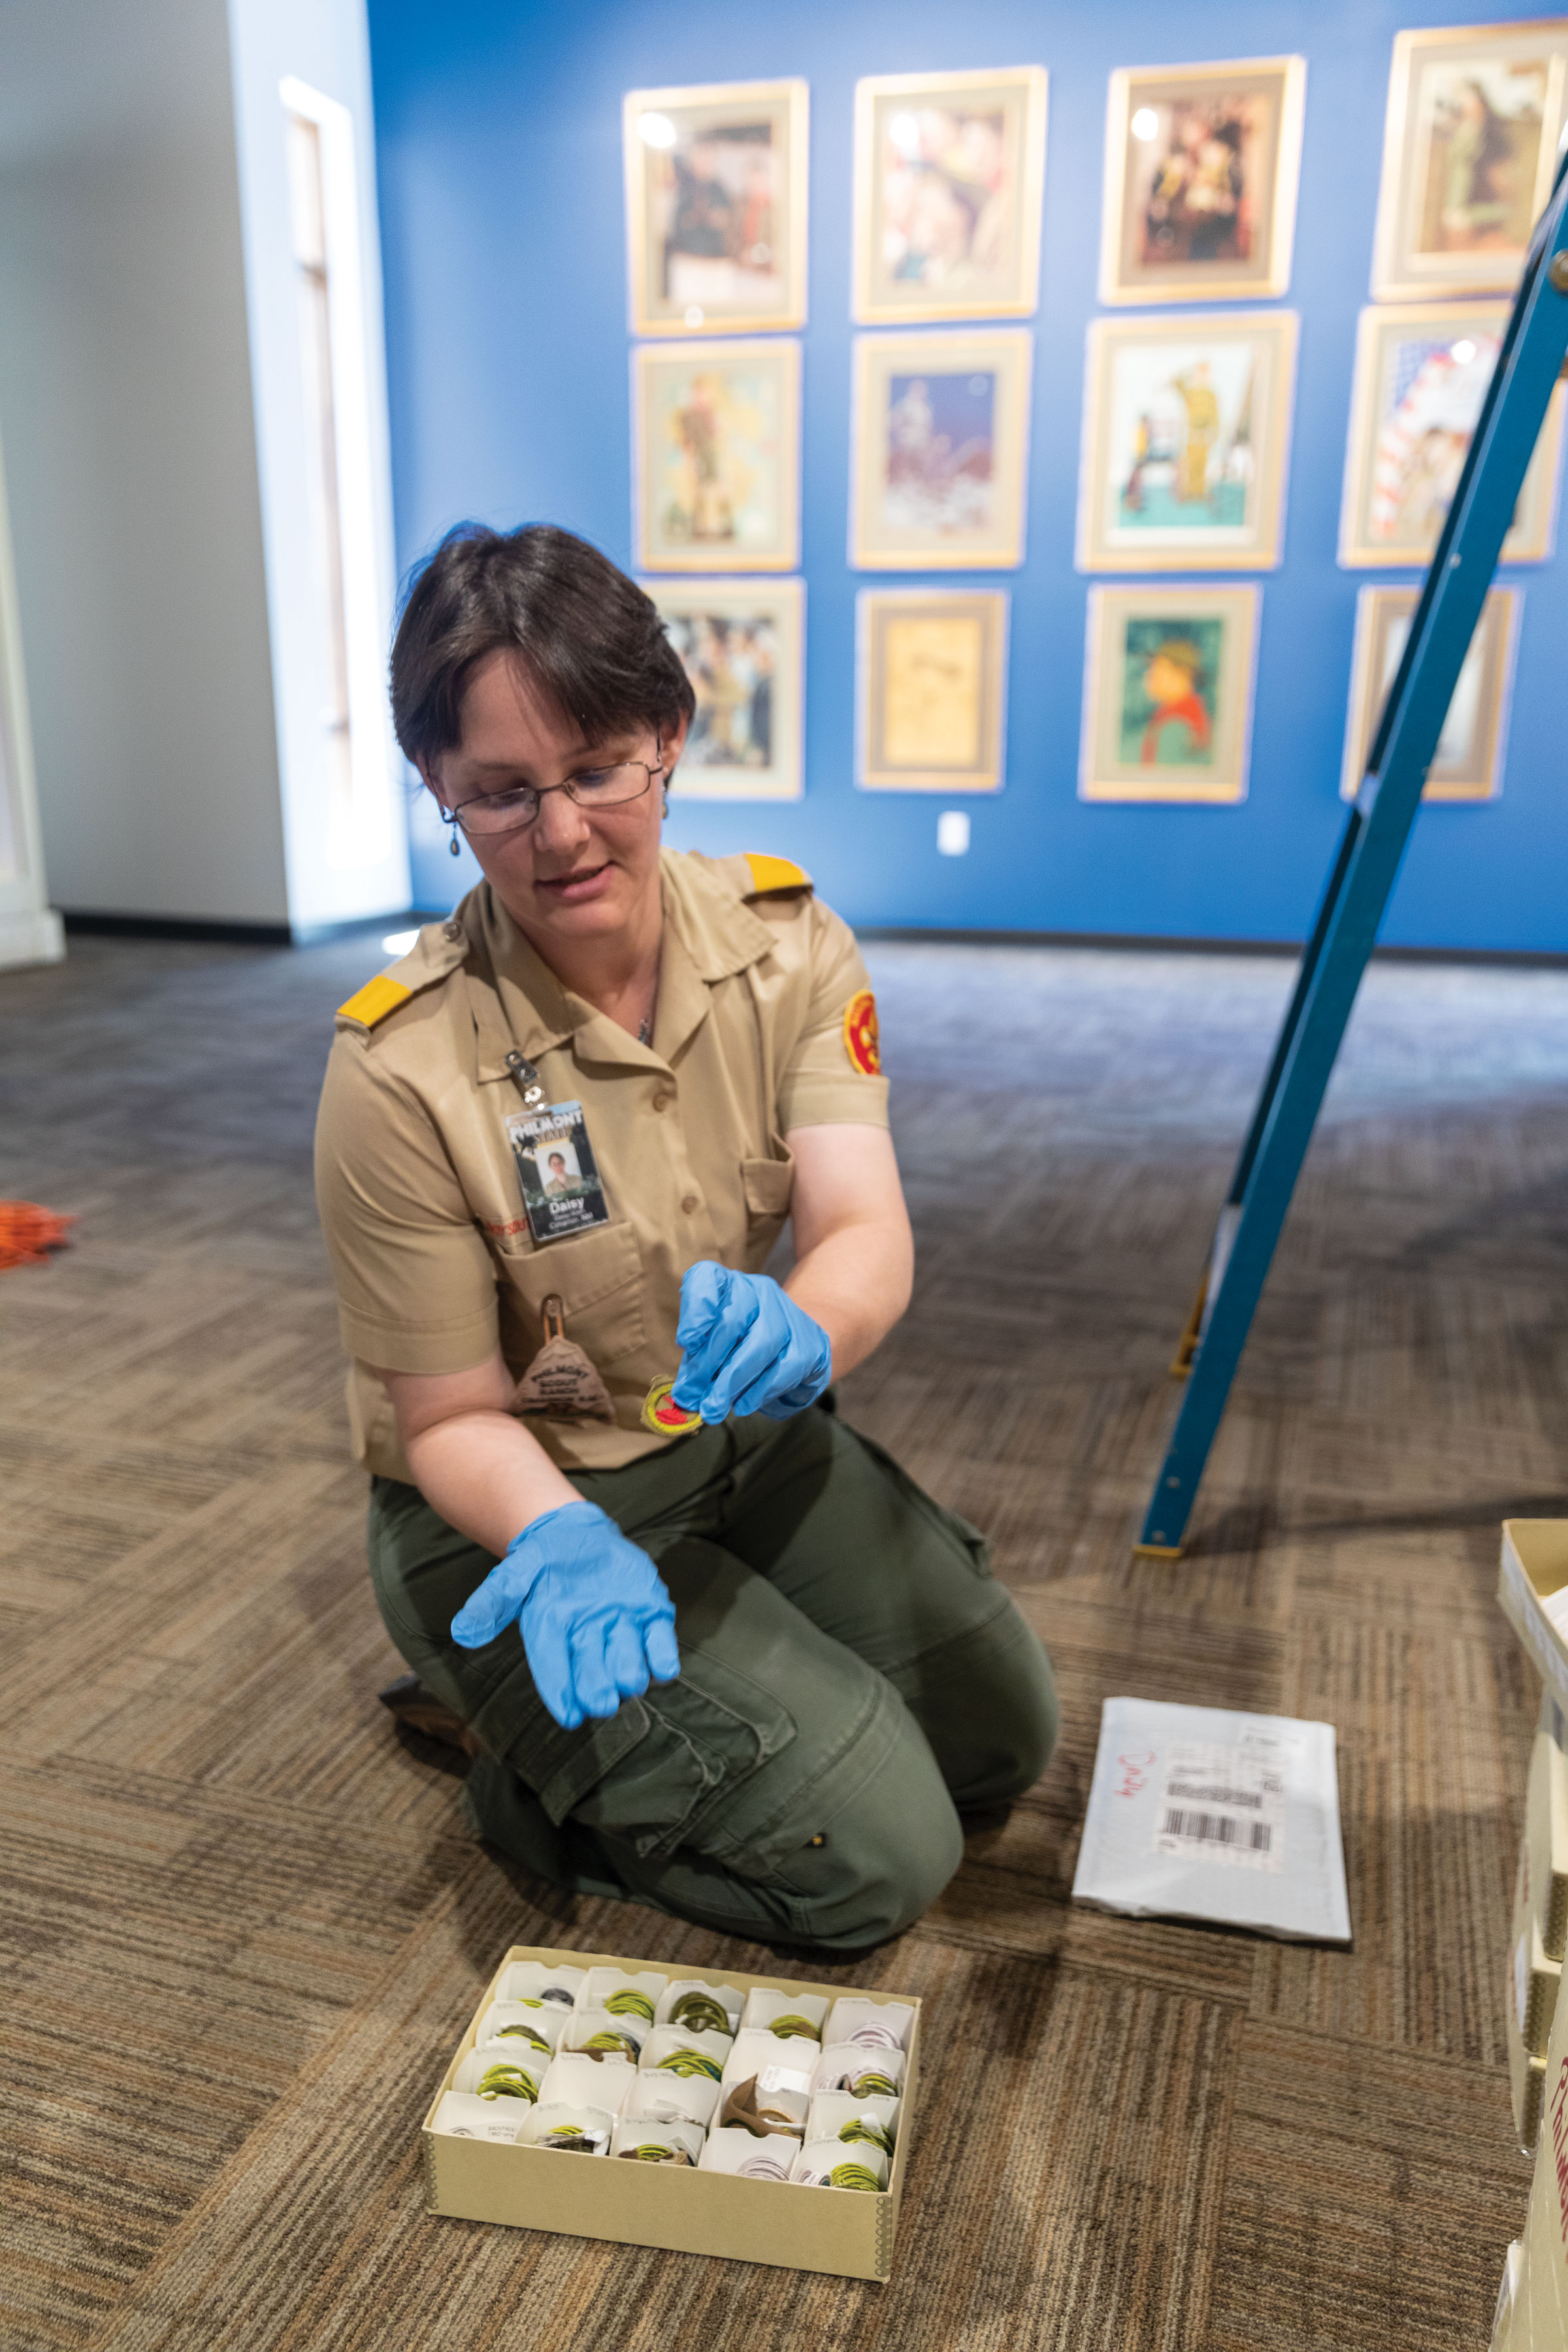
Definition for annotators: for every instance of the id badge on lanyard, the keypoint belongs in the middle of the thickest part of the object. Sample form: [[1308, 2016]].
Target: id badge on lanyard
[[563, 1191]]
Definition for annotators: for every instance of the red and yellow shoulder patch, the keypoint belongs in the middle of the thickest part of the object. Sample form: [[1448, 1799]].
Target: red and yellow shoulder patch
[[374, 1000], [862, 1038], [771, 873]]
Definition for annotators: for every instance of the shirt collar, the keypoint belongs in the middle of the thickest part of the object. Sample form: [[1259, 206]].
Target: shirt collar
[[519, 1005], [720, 932]]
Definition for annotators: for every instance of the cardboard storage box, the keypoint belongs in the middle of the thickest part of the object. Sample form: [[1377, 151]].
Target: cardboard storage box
[[1533, 2315], [1526, 2080], [1546, 1828], [1509, 2293], [1535, 1566], [1535, 1978], [843, 2231]]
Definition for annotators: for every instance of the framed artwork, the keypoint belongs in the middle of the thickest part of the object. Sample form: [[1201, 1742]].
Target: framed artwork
[[939, 441], [716, 456], [741, 644], [716, 179], [1185, 438], [1167, 694], [1201, 167], [949, 171], [1475, 112], [930, 677], [1468, 765], [1421, 374]]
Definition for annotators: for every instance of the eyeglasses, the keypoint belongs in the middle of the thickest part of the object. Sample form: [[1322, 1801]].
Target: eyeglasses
[[596, 788]]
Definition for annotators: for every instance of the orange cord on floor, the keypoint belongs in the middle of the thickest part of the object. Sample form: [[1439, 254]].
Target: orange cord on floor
[[28, 1234]]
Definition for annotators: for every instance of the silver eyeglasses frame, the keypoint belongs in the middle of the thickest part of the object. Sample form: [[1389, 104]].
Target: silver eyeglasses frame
[[457, 817]]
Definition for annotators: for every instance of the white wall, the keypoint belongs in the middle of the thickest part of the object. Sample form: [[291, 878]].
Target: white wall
[[152, 405], [126, 407], [30, 929], [324, 44]]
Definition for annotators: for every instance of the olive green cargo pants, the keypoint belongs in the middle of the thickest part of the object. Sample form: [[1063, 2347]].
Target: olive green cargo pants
[[851, 1678]]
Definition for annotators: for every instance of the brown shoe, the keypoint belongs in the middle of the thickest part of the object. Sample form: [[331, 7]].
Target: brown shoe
[[415, 1708]]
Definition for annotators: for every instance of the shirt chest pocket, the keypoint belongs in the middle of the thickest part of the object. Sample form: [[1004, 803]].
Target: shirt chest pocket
[[598, 1279]]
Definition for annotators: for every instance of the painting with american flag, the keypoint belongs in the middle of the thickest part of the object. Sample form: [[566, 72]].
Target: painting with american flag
[[1421, 374]]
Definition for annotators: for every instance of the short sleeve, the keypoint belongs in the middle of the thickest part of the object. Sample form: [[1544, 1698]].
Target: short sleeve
[[833, 1076], [415, 1286]]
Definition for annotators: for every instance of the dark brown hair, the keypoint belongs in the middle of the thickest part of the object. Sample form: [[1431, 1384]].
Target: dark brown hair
[[588, 638]]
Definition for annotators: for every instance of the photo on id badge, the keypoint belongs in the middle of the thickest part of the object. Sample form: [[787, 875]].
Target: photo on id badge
[[562, 1192]]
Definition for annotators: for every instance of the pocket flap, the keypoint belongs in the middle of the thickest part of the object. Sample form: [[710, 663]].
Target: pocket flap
[[598, 1277], [768, 1185], [584, 1269]]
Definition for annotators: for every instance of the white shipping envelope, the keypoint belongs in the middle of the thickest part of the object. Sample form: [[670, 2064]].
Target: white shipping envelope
[[1199, 1814]]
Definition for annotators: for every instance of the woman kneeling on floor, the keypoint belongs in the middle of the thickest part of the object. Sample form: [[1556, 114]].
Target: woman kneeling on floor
[[710, 1649]]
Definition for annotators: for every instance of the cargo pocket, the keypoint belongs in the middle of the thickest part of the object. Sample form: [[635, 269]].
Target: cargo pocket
[[598, 1279], [768, 1185], [676, 1767], [708, 1735]]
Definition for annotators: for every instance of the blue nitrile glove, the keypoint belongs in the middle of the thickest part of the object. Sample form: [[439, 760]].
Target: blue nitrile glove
[[596, 1622], [747, 1346]]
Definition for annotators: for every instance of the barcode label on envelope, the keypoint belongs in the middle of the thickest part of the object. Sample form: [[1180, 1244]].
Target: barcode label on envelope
[[1223, 1803]]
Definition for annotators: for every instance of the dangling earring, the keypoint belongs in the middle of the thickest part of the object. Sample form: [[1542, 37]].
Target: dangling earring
[[453, 845], [449, 817]]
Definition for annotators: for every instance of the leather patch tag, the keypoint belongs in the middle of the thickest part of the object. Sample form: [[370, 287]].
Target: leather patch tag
[[560, 1384]]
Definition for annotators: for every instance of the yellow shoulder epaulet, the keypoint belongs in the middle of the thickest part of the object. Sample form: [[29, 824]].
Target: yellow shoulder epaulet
[[374, 1000], [772, 874]]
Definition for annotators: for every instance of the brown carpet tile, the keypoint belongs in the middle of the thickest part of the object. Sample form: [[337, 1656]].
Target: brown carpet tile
[[242, 1927]]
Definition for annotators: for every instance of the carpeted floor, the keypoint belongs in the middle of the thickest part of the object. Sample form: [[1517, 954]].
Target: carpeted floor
[[241, 1927]]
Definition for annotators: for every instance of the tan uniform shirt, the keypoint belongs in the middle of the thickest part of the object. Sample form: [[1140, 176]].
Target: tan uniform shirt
[[763, 1023]]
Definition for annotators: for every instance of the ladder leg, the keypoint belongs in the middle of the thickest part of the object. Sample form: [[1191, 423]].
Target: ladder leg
[[1373, 843], [1269, 1191], [1306, 974]]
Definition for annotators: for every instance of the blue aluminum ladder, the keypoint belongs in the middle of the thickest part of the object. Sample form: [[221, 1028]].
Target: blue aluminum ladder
[[1376, 829]]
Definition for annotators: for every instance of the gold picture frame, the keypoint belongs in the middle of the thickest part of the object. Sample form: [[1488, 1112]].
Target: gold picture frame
[[1469, 762], [1167, 694], [930, 689], [743, 645], [716, 207], [1475, 112], [1202, 164], [1186, 439], [1420, 369], [938, 450], [716, 455], [949, 176]]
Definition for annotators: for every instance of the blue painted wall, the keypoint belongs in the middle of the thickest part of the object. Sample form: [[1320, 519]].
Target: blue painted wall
[[499, 131]]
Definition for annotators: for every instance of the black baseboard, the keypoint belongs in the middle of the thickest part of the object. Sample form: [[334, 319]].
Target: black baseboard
[[1146, 943], [1543, 959], [916, 935], [88, 923]]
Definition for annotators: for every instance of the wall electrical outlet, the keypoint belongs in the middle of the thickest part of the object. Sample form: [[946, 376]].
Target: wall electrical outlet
[[953, 833]]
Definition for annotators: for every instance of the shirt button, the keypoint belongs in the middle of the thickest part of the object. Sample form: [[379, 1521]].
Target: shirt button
[[691, 1204], [661, 1102], [452, 930]]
